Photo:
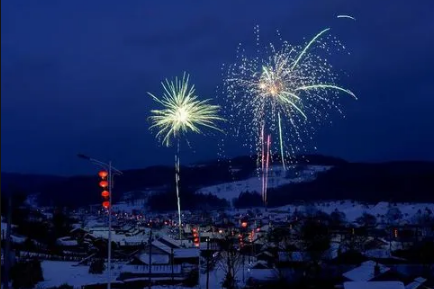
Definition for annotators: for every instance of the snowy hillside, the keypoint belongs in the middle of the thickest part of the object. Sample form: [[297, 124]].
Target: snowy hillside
[[353, 210], [277, 177]]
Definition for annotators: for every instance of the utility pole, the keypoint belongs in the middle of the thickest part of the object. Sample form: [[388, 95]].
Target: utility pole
[[243, 268], [172, 256], [198, 275], [150, 258], [7, 256], [109, 257], [112, 171], [207, 263]]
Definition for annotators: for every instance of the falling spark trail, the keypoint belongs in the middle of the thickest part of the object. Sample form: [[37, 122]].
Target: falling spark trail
[[346, 16], [282, 153], [178, 198], [263, 160], [326, 86], [182, 112], [267, 166], [303, 52]]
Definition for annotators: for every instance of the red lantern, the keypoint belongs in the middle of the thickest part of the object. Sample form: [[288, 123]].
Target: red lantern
[[103, 184], [103, 174], [105, 194], [244, 224], [196, 240], [106, 204]]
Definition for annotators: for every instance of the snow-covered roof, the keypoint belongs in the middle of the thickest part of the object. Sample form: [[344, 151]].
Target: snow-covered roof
[[76, 226], [294, 256], [380, 254], [155, 258], [67, 242], [4, 226], [374, 285], [162, 246], [260, 265], [155, 269], [18, 239], [173, 243], [365, 272], [416, 283], [266, 253], [186, 253]]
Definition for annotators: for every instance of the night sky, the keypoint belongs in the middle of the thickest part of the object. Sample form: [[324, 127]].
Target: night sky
[[75, 75]]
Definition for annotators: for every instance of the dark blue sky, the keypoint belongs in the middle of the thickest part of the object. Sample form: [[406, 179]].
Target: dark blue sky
[[75, 75]]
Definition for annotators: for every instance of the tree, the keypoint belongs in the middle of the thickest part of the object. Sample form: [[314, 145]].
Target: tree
[[29, 245], [427, 255], [355, 242], [337, 219], [315, 238], [393, 215], [26, 274], [230, 261], [61, 224], [281, 237], [248, 200], [367, 220], [97, 266], [192, 278]]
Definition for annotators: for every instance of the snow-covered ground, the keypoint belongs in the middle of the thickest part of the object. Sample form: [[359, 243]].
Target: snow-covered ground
[[277, 177], [129, 208], [353, 210], [57, 273], [121, 238], [15, 238]]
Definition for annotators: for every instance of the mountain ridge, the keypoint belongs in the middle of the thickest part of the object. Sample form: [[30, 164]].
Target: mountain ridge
[[345, 176]]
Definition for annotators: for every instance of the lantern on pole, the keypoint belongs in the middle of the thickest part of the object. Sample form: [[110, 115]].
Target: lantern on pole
[[196, 240], [104, 184]]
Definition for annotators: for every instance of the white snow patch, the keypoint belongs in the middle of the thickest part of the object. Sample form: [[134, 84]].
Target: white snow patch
[[374, 285], [276, 178], [365, 272]]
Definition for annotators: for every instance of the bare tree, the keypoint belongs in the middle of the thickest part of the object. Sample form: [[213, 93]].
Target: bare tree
[[393, 215], [230, 260], [337, 219], [315, 241], [354, 242], [367, 220]]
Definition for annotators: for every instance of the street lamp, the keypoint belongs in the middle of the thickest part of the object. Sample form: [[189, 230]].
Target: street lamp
[[112, 171]]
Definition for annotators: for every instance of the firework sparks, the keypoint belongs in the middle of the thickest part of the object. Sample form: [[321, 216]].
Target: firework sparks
[[182, 112], [288, 89], [346, 16]]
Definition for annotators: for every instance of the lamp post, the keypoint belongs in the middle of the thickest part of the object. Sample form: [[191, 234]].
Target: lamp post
[[207, 262], [112, 171]]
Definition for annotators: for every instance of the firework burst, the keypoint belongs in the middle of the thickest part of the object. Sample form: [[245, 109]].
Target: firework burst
[[283, 91], [182, 112]]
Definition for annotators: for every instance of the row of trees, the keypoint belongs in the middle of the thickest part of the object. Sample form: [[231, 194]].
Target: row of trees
[[312, 235], [190, 200]]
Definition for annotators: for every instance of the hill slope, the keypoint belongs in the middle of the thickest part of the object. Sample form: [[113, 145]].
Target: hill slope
[[397, 181]]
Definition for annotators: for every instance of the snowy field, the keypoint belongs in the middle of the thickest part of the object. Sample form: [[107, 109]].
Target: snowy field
[[276, 178], [57, 273], [353, 210]]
